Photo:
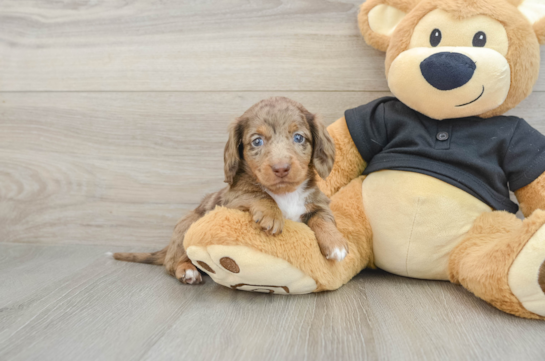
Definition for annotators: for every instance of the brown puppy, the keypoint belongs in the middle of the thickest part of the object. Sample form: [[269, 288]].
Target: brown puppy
[[272, 156]]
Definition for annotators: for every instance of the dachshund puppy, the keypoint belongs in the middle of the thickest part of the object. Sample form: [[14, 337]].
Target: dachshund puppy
[[271, 159]]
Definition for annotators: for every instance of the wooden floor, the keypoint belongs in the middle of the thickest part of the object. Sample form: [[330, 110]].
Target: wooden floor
[[113, 118]]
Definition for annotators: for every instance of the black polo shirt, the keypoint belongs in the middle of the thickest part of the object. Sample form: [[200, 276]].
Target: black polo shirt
[[484, 157]]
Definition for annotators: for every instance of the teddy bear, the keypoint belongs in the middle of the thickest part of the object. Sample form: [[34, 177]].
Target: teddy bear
[[420, 184]]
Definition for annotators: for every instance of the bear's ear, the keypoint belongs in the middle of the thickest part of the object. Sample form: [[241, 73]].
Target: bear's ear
[[534, 11], [378, 19]]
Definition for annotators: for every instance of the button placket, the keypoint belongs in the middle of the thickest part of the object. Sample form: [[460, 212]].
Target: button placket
[[443, 135]]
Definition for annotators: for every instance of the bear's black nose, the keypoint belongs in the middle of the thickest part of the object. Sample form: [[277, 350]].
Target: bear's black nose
[[447, 71]]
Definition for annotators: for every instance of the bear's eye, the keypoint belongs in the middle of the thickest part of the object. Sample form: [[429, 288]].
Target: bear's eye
[[435, 37], [479, 40]]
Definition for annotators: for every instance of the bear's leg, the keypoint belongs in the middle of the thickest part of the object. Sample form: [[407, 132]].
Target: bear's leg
[[502, 261], [236, 254]]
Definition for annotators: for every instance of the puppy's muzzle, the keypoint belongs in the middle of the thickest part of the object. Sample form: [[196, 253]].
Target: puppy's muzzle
[[281, 170]]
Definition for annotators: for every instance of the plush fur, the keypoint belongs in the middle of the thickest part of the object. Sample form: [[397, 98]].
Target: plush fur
[[481, 262], [348, 162], [531, 197], [539, 28]]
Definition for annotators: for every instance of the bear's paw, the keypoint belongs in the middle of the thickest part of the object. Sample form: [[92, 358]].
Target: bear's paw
[[244, 268]]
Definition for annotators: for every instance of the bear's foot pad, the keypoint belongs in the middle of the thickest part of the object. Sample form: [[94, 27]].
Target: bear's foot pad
[[527, 274], [244, 268]]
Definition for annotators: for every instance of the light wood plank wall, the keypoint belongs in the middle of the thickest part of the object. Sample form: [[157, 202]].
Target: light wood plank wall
[[113, 113]]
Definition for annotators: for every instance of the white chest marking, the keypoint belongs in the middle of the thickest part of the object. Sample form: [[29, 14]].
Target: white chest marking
[[292, 204]]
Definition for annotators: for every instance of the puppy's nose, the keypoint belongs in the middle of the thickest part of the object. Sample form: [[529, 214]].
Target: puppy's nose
[[447, 71], [281, 170]]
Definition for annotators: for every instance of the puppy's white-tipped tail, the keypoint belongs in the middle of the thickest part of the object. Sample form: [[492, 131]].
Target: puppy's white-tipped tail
[[109, 254]]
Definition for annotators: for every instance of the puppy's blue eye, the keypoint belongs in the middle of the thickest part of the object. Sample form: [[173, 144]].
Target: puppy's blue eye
[[257, 142], [298, 138]]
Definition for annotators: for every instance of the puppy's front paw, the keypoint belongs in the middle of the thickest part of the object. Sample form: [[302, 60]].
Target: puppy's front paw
[[270, 222], [337, 254], [333, 248]]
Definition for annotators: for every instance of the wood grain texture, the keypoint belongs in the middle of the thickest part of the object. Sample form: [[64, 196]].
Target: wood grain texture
[[85, 306], [121, 168], [118, 168], [146, 45]]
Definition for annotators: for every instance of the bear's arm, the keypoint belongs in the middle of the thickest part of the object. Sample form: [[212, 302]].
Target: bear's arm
[[348, 162], [532, 196]]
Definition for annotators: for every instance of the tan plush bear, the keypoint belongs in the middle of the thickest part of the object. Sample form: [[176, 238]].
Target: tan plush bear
[[420, 184]]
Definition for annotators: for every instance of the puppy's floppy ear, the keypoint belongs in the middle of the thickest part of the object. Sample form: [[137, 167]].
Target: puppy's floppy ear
[[323, 148], [233, 150]]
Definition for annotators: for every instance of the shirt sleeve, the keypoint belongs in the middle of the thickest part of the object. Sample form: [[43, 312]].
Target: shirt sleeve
[[525, 158], [367, 128]]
